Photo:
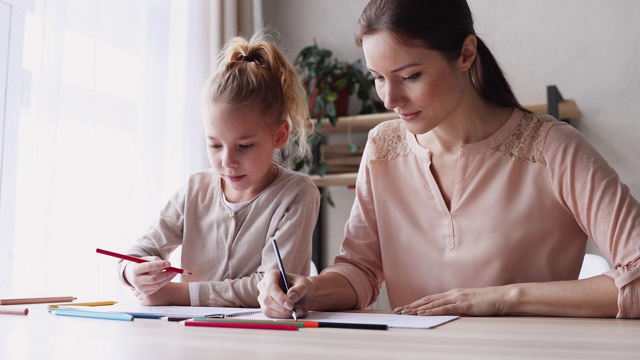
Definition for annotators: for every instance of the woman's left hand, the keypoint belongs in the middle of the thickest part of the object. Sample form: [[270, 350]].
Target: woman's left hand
[[475, 302]]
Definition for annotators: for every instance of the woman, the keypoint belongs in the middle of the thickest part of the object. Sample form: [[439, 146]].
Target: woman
[[469, 204]]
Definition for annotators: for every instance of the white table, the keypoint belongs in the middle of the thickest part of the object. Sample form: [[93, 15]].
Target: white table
[[41, 335]]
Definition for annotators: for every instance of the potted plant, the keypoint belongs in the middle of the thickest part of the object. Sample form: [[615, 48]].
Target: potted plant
[[330, 83]]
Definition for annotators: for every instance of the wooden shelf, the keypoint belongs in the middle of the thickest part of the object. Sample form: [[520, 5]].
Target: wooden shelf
[[568, 109], [355, 123], [363, 123], [345, 179]]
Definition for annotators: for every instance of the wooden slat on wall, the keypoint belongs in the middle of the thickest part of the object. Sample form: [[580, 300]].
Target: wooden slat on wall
[[342, 166]]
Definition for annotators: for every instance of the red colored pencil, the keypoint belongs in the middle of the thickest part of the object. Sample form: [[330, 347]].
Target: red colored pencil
[[138, 260], [242, 325], [14, 311]]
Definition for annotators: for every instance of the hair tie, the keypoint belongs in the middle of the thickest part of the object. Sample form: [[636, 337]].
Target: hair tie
[[248, 58]]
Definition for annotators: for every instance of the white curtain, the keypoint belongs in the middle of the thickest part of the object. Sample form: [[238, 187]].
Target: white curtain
[[111, 129]]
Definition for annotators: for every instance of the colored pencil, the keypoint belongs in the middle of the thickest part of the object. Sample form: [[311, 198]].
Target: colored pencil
[[139, 260], [306, 324], [299, 324], [38, 300], [321, 324], [241, 325], [174, 318], [94, 314], [283, 274], [144, 315], [94, 303], [14, 311]]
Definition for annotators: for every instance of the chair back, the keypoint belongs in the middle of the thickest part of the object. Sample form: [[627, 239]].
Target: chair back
[[593, 265]]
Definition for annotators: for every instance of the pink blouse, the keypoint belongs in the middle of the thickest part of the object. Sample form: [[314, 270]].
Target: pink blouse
[[525, 202]]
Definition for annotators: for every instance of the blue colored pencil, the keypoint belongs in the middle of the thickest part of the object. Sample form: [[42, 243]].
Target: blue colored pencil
[[143, 315], [94, 314]]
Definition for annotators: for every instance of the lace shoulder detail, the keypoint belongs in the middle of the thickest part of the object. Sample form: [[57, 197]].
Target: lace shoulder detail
[[526, 142], [388, 141]]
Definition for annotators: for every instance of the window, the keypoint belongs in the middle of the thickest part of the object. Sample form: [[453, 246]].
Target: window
[[108, 129]]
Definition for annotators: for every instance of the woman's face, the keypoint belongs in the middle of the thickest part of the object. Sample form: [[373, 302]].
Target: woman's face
[[419, 84]]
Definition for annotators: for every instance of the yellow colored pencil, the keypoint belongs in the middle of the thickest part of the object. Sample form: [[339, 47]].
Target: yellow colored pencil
[[94, 303]]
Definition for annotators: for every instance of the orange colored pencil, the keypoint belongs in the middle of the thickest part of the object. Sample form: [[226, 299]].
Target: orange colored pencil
[[138, 260], [14, 311], [39, 300]]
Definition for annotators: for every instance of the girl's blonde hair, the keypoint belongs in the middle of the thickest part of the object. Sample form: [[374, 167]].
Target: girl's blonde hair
[[256, 72]]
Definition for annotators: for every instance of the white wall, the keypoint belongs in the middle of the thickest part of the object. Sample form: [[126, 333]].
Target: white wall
[[330, 22], [588, 48]]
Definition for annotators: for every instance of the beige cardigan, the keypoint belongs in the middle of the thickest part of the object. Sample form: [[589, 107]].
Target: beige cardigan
[[224, 249]]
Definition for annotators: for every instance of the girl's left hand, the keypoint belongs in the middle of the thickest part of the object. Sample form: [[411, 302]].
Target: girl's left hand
[[475, 302], [170, 294]]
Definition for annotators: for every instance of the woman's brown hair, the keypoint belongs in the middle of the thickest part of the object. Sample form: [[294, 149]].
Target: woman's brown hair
[[440, 25]]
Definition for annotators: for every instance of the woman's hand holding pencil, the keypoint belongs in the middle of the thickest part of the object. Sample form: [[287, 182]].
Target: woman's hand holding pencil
[[276, 303]]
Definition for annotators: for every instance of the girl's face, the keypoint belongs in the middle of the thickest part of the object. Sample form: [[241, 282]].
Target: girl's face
[[419, 84], [240, 145]]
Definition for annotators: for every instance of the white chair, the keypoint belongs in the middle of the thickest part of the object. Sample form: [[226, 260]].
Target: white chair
[[593, 265], [314, 269]]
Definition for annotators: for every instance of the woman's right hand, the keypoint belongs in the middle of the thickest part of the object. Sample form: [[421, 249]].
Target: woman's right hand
[[148, 277], [275, 303]]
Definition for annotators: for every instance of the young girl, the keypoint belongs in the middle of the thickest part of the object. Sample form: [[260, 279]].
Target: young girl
[[255, 107]]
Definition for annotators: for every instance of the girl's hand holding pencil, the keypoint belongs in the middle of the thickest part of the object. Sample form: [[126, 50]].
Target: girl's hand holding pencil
[[147, 275], [150, 276], [166, 265]]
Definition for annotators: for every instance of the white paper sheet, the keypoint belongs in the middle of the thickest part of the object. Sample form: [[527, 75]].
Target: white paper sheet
[[391, 320]]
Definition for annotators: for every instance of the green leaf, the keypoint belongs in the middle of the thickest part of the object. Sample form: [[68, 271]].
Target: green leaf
[[330, 200], [353, 148], [341, 83], [322, 169], [313, 139]]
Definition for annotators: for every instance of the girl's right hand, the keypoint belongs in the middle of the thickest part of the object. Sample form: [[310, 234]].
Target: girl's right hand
[[148, 277], [275, 303]]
